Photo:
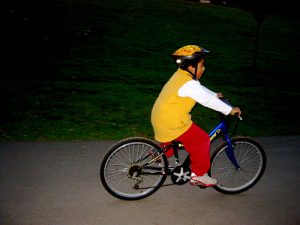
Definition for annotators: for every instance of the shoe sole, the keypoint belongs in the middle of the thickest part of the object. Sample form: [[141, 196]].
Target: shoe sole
[[199, 183]]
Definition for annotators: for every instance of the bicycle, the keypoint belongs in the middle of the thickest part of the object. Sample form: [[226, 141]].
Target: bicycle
[[136, 167]]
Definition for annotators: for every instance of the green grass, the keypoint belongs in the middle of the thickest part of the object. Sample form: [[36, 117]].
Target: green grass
[[103, 74]]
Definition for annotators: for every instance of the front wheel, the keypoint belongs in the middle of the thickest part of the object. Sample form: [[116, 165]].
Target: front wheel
[[133, 168], [252, 161]]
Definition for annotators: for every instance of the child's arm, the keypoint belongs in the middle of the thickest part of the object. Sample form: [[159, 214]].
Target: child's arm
[[193, 89]]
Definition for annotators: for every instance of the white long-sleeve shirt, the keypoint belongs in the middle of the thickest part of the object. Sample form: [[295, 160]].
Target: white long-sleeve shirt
[[193, 89]]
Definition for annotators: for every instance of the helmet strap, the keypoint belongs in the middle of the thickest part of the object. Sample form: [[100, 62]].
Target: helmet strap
[[194, 76]]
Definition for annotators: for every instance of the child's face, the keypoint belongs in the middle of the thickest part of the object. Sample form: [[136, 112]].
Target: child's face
[[200, 68]]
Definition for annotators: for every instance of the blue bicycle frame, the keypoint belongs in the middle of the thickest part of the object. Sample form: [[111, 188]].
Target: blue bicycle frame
[[222, 128]]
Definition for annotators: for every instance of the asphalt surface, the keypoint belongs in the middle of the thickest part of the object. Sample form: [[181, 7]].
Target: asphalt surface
[[57, 183]]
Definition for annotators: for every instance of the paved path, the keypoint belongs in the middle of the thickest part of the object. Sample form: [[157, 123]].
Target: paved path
[[57, 183]]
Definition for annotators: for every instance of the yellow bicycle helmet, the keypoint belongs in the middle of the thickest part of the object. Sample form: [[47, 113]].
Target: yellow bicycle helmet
[[188, 55]]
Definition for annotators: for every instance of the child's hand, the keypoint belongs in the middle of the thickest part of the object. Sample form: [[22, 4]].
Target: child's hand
[[219, 95], [236, 110]]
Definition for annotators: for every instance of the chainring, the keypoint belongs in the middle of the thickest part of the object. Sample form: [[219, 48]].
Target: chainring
[[180, 175]]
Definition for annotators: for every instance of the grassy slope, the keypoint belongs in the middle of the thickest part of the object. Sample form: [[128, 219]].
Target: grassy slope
[[115, 57]]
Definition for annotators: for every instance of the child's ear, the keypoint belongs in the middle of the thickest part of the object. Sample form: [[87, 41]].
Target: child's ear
[[191, 67]]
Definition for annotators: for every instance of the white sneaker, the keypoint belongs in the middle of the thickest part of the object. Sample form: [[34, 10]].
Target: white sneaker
[[204, 180]]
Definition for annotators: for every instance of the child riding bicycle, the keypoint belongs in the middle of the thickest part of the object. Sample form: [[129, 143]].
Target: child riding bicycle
[[171, 118]]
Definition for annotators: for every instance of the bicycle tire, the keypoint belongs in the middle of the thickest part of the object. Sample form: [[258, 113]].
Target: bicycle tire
[[250, 156], [124, 171]]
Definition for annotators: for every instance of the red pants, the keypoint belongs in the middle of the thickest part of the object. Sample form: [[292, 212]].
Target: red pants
[[197, 143]]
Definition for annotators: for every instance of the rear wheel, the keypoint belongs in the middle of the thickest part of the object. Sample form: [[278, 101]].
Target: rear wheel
[[133, 168], [252, 161]]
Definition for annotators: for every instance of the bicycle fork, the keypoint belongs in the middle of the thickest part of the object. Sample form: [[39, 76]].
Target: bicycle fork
[[221, 129], [230, 151]]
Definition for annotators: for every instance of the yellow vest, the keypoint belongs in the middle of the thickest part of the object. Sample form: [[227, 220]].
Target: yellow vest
[[170, 115]]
